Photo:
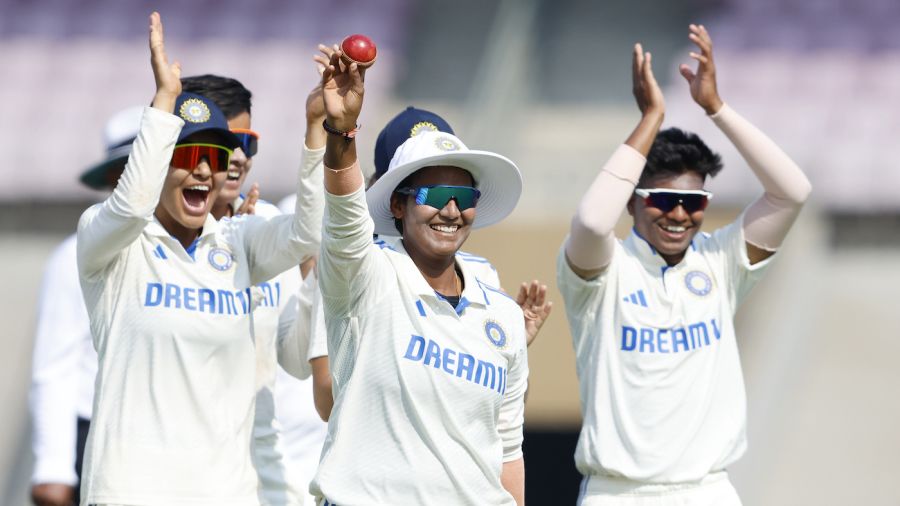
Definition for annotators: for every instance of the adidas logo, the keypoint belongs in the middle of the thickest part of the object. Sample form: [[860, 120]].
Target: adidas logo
[[159, 252], [637, 298]]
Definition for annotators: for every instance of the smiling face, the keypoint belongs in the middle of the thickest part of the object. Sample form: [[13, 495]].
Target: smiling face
[[239, 166], [669, 233], [430, 233], [187, 195]]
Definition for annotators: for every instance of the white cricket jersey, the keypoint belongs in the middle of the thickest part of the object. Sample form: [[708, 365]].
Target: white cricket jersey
[[275, 328], [662, 394], [64, 366], [429, 400], [318, 345], [302, 431], [174, 332]]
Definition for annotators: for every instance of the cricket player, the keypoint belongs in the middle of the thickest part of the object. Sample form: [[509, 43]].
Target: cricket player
[[171, 294], [280, 338], [409, 123], [64, 363], [429, 362], [662, 392]]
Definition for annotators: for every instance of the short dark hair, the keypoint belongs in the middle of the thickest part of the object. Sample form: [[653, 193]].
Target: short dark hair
[[228, 94], [675, 152]]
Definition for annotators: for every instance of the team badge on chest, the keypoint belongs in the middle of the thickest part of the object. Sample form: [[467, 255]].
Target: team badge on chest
[[698, 282], [220, 259], [495, 334]]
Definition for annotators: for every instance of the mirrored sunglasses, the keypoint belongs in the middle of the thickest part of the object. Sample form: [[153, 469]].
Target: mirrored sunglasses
[[666, 199], [249, 140], [189, 156], [439, 195]]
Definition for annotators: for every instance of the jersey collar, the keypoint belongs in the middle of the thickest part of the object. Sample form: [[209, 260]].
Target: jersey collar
[[647, 254], [155, 228], [472, 293]]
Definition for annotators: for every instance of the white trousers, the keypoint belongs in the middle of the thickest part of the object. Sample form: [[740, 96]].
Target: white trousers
[[713, 490]]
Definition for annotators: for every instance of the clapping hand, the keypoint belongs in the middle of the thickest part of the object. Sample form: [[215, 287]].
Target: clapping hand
[[646, 91], [532, 299], [168, 77], [702, 81]]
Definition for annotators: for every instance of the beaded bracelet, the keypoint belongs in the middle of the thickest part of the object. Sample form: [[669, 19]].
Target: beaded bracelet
[[348, 136]]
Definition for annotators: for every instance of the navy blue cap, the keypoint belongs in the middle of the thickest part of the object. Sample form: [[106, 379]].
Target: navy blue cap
[[408, 123], [201, 114]]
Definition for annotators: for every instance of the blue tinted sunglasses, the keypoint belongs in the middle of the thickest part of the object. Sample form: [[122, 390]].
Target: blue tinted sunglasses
[[249, 140], [439, 195]]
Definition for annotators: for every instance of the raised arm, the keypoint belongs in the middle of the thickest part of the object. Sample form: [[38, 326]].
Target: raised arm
[[348, 227], [768, 219], [342, 89], [105, 229], [309, 206], [591, 243]]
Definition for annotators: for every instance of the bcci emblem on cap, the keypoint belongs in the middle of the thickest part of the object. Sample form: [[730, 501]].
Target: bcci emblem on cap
[[495, 334], [220, 259], [194, 110], [446, 144], [423, 126], [698, 283]]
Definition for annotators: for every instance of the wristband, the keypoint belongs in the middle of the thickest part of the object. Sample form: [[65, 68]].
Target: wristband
[[348, 136]]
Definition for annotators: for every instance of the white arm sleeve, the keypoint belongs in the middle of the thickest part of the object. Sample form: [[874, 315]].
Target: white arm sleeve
[[318, 337], [768, 219], [512, 411], [346, 249], [277, 244], [107, 228], [591, 242], [62, 328], [294, 325]]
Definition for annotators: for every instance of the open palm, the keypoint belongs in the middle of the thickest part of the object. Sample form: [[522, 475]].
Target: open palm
[[342, 90]]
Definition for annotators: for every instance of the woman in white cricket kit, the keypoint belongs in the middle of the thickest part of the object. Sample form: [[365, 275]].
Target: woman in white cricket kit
[[662, 392], [532, 297], [170, 297], [429, 363]]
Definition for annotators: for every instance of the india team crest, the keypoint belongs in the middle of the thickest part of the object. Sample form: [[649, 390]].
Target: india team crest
[[194, 110], [495, 334], [422, 126], [698, 283], [220, 259], [446, 144]]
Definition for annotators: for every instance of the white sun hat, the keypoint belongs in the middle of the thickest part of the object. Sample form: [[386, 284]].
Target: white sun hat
[[496, 176]]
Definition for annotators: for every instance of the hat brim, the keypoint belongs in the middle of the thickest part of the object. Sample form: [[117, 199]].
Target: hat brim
[[496, 176], [97, 177]]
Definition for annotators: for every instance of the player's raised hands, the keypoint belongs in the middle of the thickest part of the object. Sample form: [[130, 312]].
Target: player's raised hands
[[646, 91], [532, 299], [342, 90], [168, 77], [315, 104], [702, 81]]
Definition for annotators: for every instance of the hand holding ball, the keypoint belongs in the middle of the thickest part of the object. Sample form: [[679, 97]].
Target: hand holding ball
[[358, 49]]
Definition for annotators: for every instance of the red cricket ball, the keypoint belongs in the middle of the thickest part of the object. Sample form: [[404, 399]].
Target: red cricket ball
[[358, 48]]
